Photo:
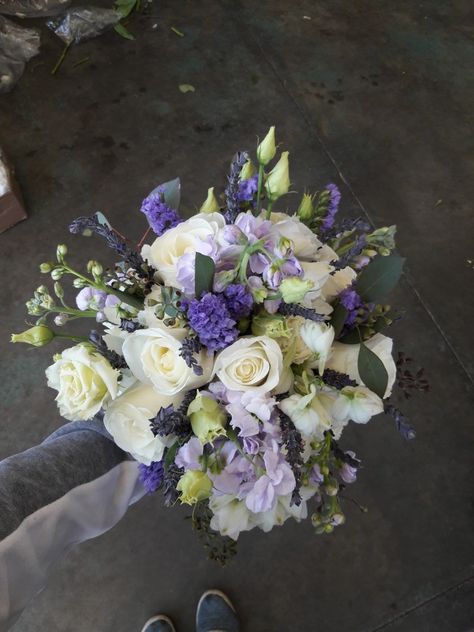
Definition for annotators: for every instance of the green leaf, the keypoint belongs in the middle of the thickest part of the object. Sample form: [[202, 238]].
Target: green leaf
[[372, 371], [204, 275], [338, 318], [186, 87], [379, 277], [125, 7], [123, 32], [170, 454]]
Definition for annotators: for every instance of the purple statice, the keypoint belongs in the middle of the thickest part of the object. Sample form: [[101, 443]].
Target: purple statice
[[333, 199], [350, 299], [209, 317], [151, 475], [159, 215], [239, 301], [248, 189]]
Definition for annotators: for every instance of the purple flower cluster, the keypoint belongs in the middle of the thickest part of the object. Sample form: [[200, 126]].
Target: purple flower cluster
[[351, 300], [239, 301], [151, 475], [160, 216], [247, 189], [332, 206], [210, 318]]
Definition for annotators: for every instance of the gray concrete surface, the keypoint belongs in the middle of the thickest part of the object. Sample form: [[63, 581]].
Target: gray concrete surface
[[376, 96]]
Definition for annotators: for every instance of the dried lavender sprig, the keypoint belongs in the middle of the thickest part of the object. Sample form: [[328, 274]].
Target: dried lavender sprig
[[294, 444], [128, 325], [232, 189], [189, 347], [337, 380], [170, 481], [292, 309], [345, 457], [401, 421], [353, 252], [116, 360], [169, 421]]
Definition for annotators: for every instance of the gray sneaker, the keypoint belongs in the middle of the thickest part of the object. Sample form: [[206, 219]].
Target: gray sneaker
[[160, 623], [215, 613]]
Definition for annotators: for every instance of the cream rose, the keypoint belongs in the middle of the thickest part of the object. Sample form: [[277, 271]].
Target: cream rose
[[128, 421], [153, 356], [85, 381], [185, 238], [251, 363]]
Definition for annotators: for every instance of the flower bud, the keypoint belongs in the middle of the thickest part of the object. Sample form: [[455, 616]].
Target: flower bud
[[273, 326], [45, 268], [61, 252], [267, 149], [306, 210], [207, 418], [79, 283], [37, 336], [194, 486], [278, 180], [61, 319], [210, 205], [57, 274], [223, 279], [58, 290], [247, 171], [33, 308], [294, 289]]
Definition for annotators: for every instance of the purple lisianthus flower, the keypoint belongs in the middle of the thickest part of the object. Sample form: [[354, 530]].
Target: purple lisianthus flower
[[151, 475], [211, 320], [239, 300], [160, 216], [247, 189], [332, 208]]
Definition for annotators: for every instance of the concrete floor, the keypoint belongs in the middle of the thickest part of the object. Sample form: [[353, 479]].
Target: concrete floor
[[376, 96]]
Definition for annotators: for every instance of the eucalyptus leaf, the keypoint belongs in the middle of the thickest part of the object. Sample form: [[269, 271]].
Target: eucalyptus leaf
[[379, 277], [204, 274], [338, 318], [123, 32], [372, 371], [171, 191]]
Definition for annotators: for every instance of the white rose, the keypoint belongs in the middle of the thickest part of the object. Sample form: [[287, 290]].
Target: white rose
[[318, 337], [127, 419], [251, 363], [153, 357], [185, 238], [85, 381], [308, 413], [337, 282], [344, 359], [357, 403], [305, 243]]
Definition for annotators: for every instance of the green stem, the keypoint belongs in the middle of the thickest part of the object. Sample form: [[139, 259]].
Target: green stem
[[57, 66], [261, 173], [69, 337], [269, 209]]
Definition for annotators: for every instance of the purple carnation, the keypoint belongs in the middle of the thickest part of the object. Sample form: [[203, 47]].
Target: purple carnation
[[333, 206], [151, 475], [160, 216], [247, 189], [212, 322], [239, 301]]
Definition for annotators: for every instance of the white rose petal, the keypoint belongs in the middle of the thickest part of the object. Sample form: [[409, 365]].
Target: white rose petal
[[85, 381]]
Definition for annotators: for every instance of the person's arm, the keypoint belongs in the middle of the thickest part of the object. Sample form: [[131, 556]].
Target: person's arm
[[73, 487]]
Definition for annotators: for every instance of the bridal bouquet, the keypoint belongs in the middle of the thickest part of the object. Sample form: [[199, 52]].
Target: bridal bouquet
[[232, 348]]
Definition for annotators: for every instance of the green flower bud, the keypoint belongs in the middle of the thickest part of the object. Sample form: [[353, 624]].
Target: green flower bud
[[57, 274], [46, 267], [210, 205], [271, 325], [42, 289], [79, 283], [208, 419], [267, 149], [33, 308], [61, 252], [58, 290], [37, 336], [278, 180], [294, 289], [248, 170], [61, 319], [97, 270], [259, 294], [306, 210], [194, 486]]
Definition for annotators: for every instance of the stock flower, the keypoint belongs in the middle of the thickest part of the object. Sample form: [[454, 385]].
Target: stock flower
[[153, 356], [208, 419], [230, 515], [278, 180], [267, 148], [357, 403], [37, 336], [194, 486], [278, 480], [318, 337], [85, 381], [251, 363]]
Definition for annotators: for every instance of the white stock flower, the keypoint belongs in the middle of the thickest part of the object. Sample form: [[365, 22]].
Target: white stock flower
[[231, 516], [318, 337], [357, 403], [128, 421], [308, 412], [85, 381], [153, 356], [344, 359], [185, 238], [251, 363]]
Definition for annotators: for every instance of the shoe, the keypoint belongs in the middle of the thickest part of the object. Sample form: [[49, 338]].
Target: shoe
[[215, 613], [159, 623]]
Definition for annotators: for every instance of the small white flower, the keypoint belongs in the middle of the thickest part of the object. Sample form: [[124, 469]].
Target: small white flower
[[318, 337], [357, 403]]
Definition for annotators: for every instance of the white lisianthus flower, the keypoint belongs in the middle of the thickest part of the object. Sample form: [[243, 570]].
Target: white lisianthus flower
[[85, 381], [344, 359], [308, 412], [318, 337], [153, 356], [252, 363], [357, 403], [305, 243], [185, 238], [231, 516], [128, 421]]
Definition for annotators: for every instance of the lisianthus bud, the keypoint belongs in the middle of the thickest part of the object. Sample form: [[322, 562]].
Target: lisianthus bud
[[194, 486], [247, 170], [37, 336], [207, 418], [211, 205], [278, 180], [267, 149], [273, 326], [305, 210], [294, 289]]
